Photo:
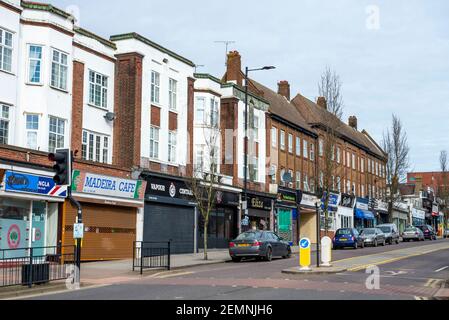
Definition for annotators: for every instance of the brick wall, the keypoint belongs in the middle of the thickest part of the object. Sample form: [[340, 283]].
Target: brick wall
[[128, 107], [77, 105]]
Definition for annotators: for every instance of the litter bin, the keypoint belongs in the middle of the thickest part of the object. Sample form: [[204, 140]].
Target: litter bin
[[41, 273]]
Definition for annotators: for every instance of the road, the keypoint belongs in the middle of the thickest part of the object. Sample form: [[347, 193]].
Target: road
[[415, 277]]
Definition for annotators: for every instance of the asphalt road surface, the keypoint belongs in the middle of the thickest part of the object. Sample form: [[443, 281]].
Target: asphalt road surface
[[413, 278]]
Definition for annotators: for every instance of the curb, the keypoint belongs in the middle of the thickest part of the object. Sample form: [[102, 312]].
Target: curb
[[314, 270]]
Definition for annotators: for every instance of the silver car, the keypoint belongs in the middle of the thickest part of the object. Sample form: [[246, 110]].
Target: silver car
[[413, 233], [373, 237]]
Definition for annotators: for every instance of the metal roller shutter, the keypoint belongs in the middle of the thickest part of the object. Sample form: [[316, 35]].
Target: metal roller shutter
[[109, 234], [165, 222]]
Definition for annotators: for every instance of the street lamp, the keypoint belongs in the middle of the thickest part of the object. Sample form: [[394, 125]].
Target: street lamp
[[245, 189]]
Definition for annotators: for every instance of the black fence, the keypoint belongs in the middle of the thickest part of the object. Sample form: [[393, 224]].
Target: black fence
[[149, 255], [39, 265]]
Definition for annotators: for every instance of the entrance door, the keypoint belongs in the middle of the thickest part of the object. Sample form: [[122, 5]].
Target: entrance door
[[285, 224], [38, 214]]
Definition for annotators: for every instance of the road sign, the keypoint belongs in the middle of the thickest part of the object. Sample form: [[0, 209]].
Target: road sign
[[305, 254], [78, 231], [326, 251]]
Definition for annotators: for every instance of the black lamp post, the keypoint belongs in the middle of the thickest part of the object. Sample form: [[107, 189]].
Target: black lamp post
[[245, 183]]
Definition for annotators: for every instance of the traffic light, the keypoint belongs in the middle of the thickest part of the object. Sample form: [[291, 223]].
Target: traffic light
[[62, 167]]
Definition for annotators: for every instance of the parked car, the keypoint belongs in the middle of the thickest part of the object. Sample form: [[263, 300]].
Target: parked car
[[259, 244], [391, 232], [347, 237], [412, 233], [428, 231], [373, 237]]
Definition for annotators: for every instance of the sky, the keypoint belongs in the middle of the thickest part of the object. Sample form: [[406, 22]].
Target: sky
[[392, 55]]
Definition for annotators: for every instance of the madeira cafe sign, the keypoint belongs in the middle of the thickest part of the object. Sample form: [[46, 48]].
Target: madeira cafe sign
[[108, 186]]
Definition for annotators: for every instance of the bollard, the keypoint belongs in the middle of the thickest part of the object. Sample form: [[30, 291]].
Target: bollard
[[326, 252], [305, 258]]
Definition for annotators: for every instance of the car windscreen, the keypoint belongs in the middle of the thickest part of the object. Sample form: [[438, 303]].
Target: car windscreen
[[342, 232], [410, 230], [385, 229], [368, 231], [250, 236]]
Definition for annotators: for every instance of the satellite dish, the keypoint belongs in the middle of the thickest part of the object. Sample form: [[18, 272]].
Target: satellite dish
[[110, 116], [287, 177], [272, 171]]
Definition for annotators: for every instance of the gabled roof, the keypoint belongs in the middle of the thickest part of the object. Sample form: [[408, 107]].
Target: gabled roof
[[317, 116], [281, 107]]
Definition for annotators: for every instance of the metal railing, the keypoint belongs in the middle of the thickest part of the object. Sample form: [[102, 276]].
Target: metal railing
[[149, 255], [38, 265]]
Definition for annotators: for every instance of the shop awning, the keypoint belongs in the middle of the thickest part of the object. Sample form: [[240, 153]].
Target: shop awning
[[364, 214]]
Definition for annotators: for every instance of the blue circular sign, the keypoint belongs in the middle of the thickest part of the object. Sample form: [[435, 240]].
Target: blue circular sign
[[304, 243]]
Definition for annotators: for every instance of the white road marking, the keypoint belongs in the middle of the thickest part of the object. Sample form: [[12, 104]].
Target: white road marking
[[441, 269]]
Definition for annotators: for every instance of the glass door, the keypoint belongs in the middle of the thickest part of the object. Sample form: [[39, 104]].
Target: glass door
[[39, 210]]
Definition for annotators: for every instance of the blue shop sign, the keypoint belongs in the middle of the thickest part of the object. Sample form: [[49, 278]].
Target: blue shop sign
[[333, 202], [30, 183], [362, 209]]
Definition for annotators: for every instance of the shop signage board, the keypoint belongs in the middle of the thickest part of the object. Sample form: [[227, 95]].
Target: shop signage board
[[308, 200], [333, 202], [347, 200], [418, 214], [287, 196], [362, 204], [261, 203], [168, 188], [34, 184], [90, 183]]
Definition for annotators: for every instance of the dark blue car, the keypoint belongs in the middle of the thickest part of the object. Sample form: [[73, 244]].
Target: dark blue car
[[348, 237]]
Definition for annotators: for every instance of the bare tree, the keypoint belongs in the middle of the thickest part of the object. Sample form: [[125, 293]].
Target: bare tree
[[395, 145], [329, 87], [205, 177], [443, 186]]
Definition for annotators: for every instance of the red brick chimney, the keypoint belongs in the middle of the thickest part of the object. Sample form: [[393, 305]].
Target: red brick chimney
[[234, 68], [284, 89], [321, 101], [353, 122]]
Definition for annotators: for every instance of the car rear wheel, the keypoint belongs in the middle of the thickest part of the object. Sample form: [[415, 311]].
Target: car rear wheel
[[269, 255]]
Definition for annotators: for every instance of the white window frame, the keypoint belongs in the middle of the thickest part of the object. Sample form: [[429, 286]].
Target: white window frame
[[305, 149], [39, 61], [290, 143], [256, 127], [5, 119], [274, 137], [362, 165], [99, 86], [200, 109], [91, 150], [338, 155], [33, 131], [312, 151], [298, 146], [354, 162], [282, 142], [306, 182], [57, 135], [155, 87], [59, 70], [298, 180], [172, 143], [172, 94], [199, 158], [154, 142], [321, 147], [4, 47], [214, 113]]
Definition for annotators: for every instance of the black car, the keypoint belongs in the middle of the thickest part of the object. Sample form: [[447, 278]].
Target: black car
[[428, 231], [259, 245]]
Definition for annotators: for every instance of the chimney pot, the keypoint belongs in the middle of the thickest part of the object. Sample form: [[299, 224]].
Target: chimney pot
[[284, 89], [234, 68], [321, 101], [353, 122]]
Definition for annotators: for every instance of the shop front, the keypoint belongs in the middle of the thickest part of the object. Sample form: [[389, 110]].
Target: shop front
[[29, 209], [223, 226], [307, 217], [287, 215], [381, 210], [363, 218], [418, 217], [110, 206], [345, 212], [334, 200], [260, 213], [170, 213], [400, 216]]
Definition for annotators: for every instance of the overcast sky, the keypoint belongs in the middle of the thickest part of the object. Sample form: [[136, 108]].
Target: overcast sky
[[398, 63]]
